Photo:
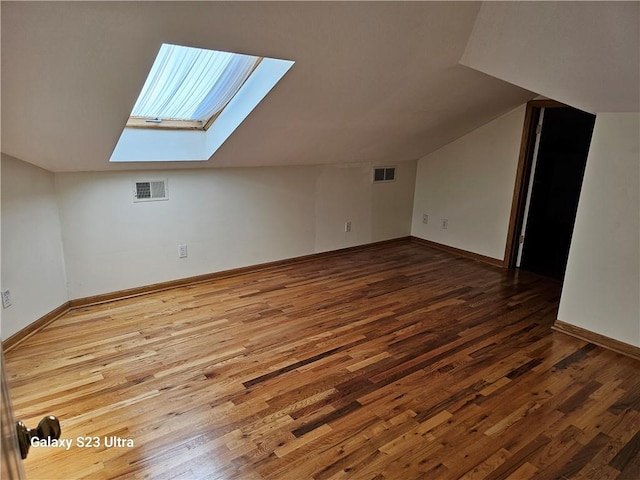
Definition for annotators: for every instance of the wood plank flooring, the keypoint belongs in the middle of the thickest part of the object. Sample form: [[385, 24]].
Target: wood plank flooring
[[393, 362]]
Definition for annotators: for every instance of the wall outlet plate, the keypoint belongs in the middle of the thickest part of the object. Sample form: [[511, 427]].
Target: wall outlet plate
[[425, 218], [6, 299], [445, 223], [347, 226], [182, 251]]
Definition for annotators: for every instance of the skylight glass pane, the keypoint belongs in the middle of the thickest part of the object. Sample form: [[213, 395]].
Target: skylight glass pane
[[192, 84]]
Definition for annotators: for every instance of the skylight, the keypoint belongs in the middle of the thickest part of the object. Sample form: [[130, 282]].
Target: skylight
[[190, 85], [192, 101]]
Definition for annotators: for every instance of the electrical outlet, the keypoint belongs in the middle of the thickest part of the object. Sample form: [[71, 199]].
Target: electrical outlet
[[347, 226], [425, 218], [6, 299], [445, 223], [182, 251]]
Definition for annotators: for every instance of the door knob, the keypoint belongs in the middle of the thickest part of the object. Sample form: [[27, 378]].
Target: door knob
[[48, 428]]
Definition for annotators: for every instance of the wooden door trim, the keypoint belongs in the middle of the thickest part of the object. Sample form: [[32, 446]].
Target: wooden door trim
[[522, 177], [11, 467]]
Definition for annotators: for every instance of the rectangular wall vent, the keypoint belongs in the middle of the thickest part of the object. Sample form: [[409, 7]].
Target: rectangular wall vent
[[149, 191], [384, 174]]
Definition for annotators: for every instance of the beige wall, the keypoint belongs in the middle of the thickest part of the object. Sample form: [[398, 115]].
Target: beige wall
[[228, 217], [32, 259], [601, 289], [470, 183]]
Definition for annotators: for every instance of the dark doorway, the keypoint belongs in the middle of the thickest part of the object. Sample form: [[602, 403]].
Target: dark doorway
[[558, 165]]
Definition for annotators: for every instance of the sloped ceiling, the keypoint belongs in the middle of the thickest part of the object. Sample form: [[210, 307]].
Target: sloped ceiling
[[584, 54], [372, 81]]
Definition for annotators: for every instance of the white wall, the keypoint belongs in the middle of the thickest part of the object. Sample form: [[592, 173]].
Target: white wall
[[470, 183], [601, 289], [377, 212], [32, 259], [228, 218]]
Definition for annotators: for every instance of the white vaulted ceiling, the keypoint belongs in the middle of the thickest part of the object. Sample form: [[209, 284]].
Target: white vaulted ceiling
[[586, 54], [373, 81]]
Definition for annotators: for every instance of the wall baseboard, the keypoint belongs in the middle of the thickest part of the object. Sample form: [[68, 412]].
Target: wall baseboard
[[457, 251], [597, 339], [182, 282], [34, 327], [66, 307], [560, 326]]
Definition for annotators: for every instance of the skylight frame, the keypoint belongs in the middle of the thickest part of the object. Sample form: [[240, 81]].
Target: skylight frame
[[148, 122], [157, 145], [159, 121]]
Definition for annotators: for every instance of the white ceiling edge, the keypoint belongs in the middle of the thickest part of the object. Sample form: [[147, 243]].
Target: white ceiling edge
[[583, 54]]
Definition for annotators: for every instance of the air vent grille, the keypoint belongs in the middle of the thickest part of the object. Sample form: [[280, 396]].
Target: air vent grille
[[151, 190], [158, 190], [384, 174]]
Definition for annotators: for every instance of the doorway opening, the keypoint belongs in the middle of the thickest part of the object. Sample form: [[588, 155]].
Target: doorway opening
[[553, 157]]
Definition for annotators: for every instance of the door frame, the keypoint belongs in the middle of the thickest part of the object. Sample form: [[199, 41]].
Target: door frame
[[11, 467], [523, 176]]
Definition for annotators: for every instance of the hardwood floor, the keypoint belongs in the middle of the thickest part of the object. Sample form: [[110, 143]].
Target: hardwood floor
[[394, 362]]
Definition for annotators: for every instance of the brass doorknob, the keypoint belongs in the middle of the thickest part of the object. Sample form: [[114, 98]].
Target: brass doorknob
[[48, 428]]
